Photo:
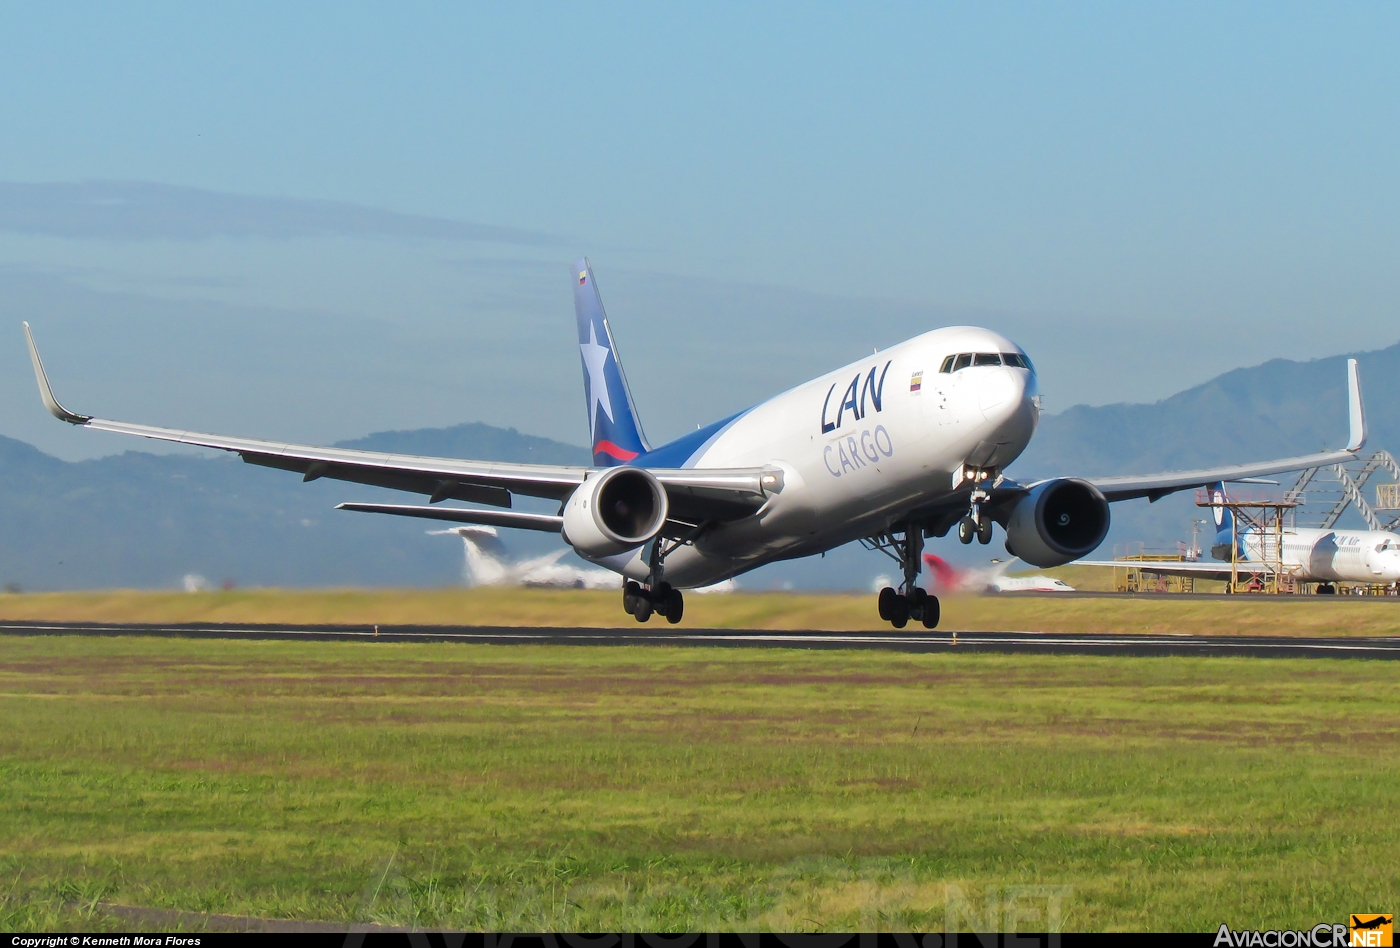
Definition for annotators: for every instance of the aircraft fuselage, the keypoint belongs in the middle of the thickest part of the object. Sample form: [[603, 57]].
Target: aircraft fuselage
[[1314, 555], [860, 448]]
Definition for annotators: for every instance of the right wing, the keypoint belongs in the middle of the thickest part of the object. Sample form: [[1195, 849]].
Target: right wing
[[696, 495]]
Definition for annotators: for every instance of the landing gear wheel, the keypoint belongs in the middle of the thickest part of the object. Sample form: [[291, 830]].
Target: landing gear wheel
[[984, 531], [675, 606], [966, 530], [643, 609], [931, 613], [1327, 589], [631, 593], [916, 598], [886, 603], [899, 615]]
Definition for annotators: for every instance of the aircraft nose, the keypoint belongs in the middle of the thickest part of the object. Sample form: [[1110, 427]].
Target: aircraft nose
[[1007, 399], [1001, 391]]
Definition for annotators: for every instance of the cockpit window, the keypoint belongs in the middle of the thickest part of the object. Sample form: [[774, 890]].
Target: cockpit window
[[1015, 360], [947, 364], [963, 362], [987, 358]]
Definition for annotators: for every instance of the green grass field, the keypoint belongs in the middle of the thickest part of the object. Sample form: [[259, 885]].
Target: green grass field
[[602, 788], [1158, 614]]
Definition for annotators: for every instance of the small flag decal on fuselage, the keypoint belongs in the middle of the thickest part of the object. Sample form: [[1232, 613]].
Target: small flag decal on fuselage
[[916, 381], [582, 277]]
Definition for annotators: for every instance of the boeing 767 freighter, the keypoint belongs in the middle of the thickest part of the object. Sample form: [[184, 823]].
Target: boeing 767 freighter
[[907, 443]]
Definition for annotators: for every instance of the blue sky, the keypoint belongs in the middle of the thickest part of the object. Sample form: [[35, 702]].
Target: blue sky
[[389, 197]]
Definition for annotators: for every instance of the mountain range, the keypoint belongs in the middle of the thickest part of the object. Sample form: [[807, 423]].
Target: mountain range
[[147, 521]]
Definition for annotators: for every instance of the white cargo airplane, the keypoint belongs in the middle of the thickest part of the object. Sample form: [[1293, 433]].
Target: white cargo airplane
[[907, 443], [1309, 554]]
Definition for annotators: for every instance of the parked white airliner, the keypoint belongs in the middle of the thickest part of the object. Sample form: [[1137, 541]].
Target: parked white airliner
[[1308, 555], [907, 443]]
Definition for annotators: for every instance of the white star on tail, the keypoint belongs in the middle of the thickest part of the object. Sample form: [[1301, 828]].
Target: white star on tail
[[594, 358]]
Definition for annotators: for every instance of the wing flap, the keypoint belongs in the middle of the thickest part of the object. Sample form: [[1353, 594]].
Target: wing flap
[[439, 489], [491, 518], [423, 475]]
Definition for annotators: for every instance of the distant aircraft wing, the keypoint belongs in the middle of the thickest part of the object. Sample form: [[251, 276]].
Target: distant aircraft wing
[[695, 495], [1154, 486], [1198, 569]]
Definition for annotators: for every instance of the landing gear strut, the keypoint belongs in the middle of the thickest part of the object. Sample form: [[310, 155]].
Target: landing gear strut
[[910, 601]]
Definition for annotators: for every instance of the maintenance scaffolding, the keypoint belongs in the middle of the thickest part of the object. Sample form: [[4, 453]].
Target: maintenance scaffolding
[[1136, 576], [1263, 520], [1334, 489]]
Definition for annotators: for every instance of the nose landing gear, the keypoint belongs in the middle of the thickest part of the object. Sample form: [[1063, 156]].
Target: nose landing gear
[[977, 523], [898, 607], [972, 526]]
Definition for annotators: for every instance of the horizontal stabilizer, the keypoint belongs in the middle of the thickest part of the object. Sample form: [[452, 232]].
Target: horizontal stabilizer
[[493, 518]]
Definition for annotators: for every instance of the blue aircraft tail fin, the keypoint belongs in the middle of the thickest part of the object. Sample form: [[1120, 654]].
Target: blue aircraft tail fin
[[614, 431], [1224, 522]]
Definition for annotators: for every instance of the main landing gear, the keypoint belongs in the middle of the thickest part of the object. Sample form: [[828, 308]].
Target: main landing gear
[[661, 599], [897, 607], [657, 595]]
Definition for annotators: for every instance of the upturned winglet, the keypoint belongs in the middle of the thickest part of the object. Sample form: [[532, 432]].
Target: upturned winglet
[[1357, 410], [46, 391]]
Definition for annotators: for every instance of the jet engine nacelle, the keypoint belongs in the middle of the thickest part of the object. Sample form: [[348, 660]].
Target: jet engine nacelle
[[615, 511], [1056, 522]]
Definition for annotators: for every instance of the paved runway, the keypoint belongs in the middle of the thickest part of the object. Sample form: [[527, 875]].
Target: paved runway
[[907, 641]]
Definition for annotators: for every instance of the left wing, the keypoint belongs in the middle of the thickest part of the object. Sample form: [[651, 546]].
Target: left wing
[[695, 495], [1155, 486]]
